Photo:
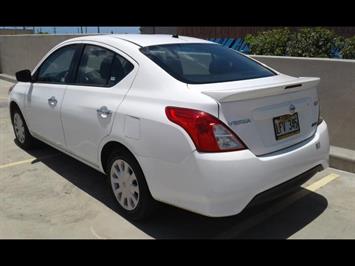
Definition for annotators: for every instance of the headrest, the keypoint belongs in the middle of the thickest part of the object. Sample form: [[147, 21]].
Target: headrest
[[117, 69], [105, 68]]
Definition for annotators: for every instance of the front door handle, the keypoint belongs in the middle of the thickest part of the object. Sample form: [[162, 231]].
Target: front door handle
[[52, 101], [104, 112]]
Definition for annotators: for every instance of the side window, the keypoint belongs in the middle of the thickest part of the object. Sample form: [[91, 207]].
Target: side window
[[55, 69], [101, 67], [95, 66]]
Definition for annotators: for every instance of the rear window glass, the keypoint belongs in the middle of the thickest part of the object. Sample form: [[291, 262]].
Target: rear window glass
[[198, 63]]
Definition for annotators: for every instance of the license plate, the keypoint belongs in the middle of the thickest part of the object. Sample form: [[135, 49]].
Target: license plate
[[286, 126]]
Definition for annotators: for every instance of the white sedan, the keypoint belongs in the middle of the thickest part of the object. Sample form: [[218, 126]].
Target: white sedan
[[173, 119]]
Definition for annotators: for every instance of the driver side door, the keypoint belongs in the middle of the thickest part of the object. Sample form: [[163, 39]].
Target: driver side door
[[46, 93]]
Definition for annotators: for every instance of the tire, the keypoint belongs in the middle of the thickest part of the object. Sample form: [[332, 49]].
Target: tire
[[129, 187], [22, 134]]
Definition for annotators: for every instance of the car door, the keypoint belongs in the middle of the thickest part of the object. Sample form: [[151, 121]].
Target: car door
[[45, 95], [102, 80]]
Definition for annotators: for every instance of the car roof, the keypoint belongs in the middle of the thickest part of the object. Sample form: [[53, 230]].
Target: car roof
[[146, 39], [156, 39]]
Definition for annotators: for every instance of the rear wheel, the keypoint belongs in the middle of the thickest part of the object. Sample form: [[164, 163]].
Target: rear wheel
[[22, 134], [129, 187]]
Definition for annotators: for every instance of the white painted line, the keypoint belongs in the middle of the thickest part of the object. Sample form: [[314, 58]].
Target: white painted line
[[26, 161], [16, 163]]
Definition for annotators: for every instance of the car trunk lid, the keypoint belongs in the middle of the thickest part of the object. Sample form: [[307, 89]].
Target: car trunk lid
[[264, 112]]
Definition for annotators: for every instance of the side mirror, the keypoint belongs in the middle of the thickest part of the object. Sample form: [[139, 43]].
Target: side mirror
[[24, 76]]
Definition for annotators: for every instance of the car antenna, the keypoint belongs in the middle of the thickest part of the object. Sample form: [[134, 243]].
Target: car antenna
[[175, 36]]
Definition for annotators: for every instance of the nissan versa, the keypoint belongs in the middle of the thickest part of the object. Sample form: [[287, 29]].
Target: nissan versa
[[173, 119]]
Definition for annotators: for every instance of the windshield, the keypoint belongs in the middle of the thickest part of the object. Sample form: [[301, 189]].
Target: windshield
[[198, 63]]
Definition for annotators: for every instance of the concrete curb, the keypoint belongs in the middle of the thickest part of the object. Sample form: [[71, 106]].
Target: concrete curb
[[8, 78], [339, 158]]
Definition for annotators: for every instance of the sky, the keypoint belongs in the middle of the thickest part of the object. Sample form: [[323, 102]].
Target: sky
[[75, 30]]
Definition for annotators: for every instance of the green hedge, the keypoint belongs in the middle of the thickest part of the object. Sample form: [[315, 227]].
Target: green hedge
[[312, 42], [273, 42], [306, 42], [348, 50]]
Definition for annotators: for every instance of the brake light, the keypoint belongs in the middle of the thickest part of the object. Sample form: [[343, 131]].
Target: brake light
[[208, 133]]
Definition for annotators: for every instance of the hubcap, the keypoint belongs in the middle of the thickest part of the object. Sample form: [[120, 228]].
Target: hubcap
[[19, 128], [124, 185]]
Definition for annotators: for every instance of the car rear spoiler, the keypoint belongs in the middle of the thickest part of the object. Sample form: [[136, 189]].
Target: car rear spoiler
[[258, 91]]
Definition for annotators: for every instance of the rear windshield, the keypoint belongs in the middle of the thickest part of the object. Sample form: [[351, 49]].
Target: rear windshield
[[198, 63]]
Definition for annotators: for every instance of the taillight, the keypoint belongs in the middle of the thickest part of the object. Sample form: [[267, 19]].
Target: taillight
[[208, 133]]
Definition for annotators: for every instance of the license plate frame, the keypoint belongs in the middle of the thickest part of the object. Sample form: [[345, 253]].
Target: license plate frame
[[294, 122]]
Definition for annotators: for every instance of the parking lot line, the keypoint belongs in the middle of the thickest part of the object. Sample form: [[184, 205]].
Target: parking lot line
[[16, 163], [31, 160], [254, 220], [322, 182]]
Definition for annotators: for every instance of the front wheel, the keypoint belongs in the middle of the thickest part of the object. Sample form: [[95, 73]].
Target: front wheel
[[129, 187], [23, 136]]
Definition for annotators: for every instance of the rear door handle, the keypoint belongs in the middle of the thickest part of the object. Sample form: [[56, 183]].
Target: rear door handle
[[52, 101], [104, 112]]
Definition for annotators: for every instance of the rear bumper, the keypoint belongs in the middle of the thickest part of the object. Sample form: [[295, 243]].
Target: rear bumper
[[284, 188], [223, 184]]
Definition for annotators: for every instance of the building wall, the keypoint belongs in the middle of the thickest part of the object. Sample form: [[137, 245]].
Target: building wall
[[158, 30], [24, 51], [15, 31]]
